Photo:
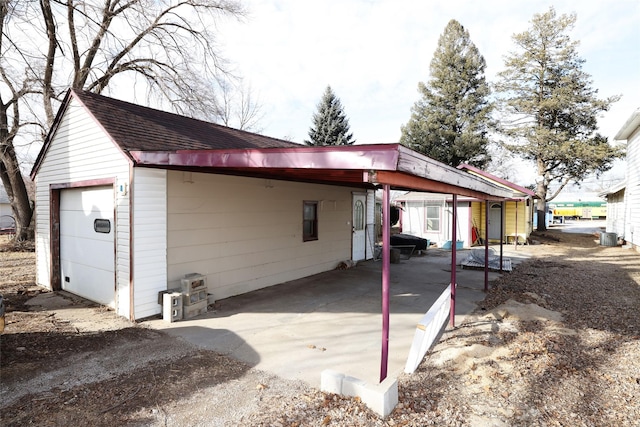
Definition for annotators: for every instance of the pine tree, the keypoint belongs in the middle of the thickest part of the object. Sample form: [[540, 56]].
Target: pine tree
[[551, 107], [330, 123], [451, 121]]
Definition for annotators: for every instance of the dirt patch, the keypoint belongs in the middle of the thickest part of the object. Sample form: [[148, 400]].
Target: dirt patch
[[555, 342]]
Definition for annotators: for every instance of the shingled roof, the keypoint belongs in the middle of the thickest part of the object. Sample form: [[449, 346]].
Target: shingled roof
[[137, 128], [159, 139]]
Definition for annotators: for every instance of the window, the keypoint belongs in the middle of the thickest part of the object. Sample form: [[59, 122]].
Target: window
[[432, 216], [310, 221], [358, 215]]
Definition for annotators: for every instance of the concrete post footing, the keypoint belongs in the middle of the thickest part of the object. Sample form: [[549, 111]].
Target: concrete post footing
[[381, 398]]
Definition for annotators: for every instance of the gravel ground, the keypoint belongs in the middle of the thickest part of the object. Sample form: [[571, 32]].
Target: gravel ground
[[555, 343]]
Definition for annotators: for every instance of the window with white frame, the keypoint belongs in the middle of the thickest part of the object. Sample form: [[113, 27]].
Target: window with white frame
[[432, 216]]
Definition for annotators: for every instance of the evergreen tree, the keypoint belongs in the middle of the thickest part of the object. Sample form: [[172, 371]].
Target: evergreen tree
[[551, 108], [451, 121], [330, 123]]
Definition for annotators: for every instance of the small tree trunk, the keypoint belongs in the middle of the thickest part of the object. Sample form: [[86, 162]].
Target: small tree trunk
[[17, 192], [541, 192], [542, 216]]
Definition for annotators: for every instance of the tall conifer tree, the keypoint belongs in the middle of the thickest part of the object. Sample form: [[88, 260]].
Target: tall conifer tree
[[330, 123], [451, 121], [551, 108]]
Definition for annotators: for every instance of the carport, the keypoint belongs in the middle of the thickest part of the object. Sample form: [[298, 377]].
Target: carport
[[384, 167], [331, 320]]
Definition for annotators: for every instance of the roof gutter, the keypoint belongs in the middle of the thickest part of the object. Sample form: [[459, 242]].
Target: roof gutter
[[382, 164], [343, 157], [629, 127]]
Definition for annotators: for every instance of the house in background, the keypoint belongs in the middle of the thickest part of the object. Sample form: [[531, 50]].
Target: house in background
[[430, 215], [623, 200], [616, 210], [130, 199], [7, 221]]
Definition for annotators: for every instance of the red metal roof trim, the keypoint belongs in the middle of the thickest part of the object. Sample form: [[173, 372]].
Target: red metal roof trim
[[353, 157], [499, 180]]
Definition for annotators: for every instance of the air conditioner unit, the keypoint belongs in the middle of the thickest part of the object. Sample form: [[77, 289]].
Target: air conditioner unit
[[193, 283]]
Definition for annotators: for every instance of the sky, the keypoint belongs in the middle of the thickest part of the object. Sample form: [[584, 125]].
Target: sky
[[373, 53]]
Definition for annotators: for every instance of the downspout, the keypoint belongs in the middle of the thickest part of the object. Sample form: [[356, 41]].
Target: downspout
[[386, 240], [132, 307], [454, 244]]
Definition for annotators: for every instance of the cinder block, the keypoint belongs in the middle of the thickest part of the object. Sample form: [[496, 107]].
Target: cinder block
[[193, 282], [172, 309], [166, 291], [190, 311], [194, 297]]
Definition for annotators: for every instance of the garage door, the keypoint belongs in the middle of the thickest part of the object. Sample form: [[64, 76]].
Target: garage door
[[87, 249]]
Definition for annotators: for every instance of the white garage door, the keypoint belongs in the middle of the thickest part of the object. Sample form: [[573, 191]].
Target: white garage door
[[87, 249]]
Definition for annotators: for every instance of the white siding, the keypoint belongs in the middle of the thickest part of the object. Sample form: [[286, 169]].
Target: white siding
[[632, 191], [413, 219], [616, 213], [246, 233], [149, 194], [81, 151], [463, 228]]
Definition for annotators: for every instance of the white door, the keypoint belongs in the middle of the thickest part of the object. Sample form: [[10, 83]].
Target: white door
[[495, 217], [87, 250], [358, 245]]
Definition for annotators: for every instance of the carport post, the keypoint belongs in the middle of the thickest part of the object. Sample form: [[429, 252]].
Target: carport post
[[486, 246], [516, 231], [386, 241], [503, 213], [454, 246]]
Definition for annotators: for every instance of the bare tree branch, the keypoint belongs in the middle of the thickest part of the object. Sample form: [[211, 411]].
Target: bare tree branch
[[168, 44]]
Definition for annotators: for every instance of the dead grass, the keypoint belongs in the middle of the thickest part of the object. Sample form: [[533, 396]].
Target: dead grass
[[575, 362]]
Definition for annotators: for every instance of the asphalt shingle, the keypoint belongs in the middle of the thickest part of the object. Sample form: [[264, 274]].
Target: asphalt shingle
[[137, 128]]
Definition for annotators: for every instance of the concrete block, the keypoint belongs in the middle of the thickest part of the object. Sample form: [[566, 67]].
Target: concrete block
[[381, 398], [190, 311], [172, 307], [353, 386], [166, 291], [190, 298], [331, 381], [394, 256], [193, 282], [211, 299]]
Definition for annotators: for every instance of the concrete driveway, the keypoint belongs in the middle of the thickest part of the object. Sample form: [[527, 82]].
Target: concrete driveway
[[332, 320]]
